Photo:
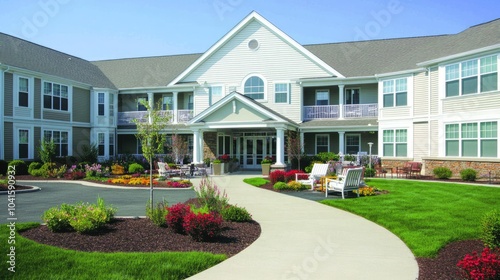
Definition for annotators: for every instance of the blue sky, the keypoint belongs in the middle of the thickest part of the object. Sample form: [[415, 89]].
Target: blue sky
[[110, 29]]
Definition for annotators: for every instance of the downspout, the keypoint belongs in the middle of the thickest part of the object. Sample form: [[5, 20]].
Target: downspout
[[429, 138]]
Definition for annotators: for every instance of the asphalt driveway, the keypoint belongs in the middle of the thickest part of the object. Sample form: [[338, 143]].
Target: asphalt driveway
[[129, 202]]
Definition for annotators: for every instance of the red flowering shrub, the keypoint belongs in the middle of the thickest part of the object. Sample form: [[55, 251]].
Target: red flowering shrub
[[203, 227], [74, 175], [480, 267], [175, 216], [277, 176], [290, 175]]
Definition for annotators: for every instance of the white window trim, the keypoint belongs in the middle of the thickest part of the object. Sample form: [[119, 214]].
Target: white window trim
[[409, 92], [107, 133], [316, 96], [264, 80], [442, 75], [316, 142], [68, 130], [289, 91], [352, 134], [31, 91], [442, 142], [409, 142], [352, 88], [70, 97], [31, 142]]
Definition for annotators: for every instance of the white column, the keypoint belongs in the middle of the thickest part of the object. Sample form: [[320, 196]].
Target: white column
[[196, 146], [341, 142], [280, 146], [302, 141], [151, 101], [341, 101], [200, 150], [174, 105]]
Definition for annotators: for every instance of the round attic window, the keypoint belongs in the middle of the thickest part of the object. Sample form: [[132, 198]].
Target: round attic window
[[253, 44]]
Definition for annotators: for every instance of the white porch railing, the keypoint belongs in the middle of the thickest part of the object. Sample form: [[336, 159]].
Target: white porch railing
[[333, 112], [321, 112], [126, 118]]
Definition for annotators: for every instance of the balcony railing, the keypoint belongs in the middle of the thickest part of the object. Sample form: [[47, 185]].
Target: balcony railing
[[333, 111], [126, 118]]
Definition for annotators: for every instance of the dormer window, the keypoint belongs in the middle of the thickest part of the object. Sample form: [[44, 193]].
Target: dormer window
[[254, 88]]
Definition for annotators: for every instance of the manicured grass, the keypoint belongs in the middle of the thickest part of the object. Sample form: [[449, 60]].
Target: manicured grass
[[425, 215], [34, 260], [256, 182]]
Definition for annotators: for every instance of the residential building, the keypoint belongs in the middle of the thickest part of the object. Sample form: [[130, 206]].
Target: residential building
[[431, 99]]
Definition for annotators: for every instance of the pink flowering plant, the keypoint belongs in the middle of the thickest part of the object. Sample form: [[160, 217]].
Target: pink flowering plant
[[94, 170], [211, 196]]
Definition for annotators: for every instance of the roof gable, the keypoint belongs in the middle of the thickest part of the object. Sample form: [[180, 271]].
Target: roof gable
[[254, 17]]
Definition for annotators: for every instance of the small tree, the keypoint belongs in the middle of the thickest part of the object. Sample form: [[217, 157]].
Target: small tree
[[149, 132], [295, 149], [47, 151], [179, 147]]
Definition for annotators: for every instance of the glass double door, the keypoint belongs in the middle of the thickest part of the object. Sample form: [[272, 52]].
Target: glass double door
[[254, 150]]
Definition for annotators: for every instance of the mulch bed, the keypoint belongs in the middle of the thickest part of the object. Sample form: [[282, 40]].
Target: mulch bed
[[141, 235]]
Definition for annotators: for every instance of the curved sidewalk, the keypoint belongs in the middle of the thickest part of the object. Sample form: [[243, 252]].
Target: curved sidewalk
[[303, 239]]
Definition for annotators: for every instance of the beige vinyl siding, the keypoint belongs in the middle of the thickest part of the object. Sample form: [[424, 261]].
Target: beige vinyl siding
[[81, 138], [420, 95], [8, 136], [81, 105], [434, 95], [56, 116], [275, 60], [420, 140], [472, 102], [9, 95], [395, 112], [38, 99], [434, 139]]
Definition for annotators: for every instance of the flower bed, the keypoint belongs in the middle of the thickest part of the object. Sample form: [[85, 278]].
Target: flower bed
[[131, 180]]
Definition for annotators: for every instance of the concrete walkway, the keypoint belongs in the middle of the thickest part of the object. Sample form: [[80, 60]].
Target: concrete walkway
[[303, 239]]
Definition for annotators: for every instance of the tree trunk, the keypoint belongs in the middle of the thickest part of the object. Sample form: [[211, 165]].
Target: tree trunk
[[151, 183]]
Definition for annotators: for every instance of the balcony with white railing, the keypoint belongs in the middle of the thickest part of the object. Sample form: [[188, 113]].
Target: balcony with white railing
[[126, 118], [333, 111]]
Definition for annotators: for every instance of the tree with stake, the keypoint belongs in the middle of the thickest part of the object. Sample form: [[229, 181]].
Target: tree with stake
[[295, 148], [149, 132]]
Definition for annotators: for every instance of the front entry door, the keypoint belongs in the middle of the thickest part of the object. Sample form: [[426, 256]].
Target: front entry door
[[254, 151]]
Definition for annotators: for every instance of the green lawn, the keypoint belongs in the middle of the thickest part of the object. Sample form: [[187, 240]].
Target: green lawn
[[425, 215], [256, 182], [34, 260]]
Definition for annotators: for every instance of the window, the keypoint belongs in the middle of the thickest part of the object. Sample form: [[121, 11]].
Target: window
[[60, 139], [167, 103], [351, 96], [471, 139], [254, 88], [472, 76], [23, 92], [395, 92], [140, 103], [281, 92], [352, 144], [215, 94], [23, 143], [322, 143], [55, 96], [111, 105], [322, 97], [190, 102], [395, 143], [100, 104], [111, 144], [101, 144]]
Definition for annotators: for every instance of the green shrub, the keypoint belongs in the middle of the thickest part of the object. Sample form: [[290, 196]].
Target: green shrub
[[280, 186], [233, 213], [370, 172], [135, 168], [20, 166], [89, 153], [327, 156], [442, 172], [490, 229], [296, 186], [57, 219], [34, 166], [468, 174], [158, 213], [47, 151]]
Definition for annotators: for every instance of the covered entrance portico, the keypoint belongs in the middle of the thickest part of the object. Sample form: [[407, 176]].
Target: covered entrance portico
[[243, 130]]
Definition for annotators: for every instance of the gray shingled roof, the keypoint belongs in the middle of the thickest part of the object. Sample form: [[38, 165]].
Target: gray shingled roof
[[26, 55], [146, 71], [366, 58]]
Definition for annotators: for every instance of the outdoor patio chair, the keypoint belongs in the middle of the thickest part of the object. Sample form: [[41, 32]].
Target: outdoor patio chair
[[164, 170], [319, 170], [350, 182], [416, 168]]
